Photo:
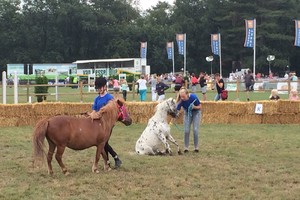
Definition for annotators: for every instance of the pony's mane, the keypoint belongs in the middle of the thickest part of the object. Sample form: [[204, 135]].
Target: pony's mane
[[108, 114]]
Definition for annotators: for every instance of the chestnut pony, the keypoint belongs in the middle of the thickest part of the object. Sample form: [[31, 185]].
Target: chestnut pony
[[78, 134]]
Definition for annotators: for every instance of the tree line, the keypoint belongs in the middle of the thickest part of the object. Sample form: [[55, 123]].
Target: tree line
[[51, 31]]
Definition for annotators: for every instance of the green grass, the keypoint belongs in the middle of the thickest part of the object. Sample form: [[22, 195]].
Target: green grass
[[67, 94], [234, 162]]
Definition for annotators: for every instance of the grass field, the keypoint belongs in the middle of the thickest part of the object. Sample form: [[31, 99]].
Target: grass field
[[67, 94], [234, 162]]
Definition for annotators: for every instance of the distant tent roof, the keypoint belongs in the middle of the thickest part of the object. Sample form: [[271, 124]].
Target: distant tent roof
[[103, 60]]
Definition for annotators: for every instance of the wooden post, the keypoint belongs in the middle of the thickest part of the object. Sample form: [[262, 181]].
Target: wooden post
[[237, 88], [289, 86], [27, 93], [133, 90], [81, 92]]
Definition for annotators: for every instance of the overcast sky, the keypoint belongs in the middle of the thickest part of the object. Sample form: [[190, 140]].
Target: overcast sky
[[146, 4]]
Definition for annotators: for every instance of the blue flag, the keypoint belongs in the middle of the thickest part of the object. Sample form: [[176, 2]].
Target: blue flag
[[170, 50], [250, 33], [297, 33], [215, 44], [143, 50], [180, 42]]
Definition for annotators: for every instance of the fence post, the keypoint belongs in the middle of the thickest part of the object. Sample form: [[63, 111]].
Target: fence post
[[81, 92], [16, 88], [289, 86], [4, 82], [133, 90], [27, 91], [237, 88]]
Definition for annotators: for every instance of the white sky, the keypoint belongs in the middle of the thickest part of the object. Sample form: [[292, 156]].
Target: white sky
[[146, 4]]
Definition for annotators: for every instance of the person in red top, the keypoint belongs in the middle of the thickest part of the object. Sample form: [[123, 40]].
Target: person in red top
[[194, 82], [178, 82]]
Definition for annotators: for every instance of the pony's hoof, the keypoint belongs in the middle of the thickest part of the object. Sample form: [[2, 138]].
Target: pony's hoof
[[95, 170], [179, 152], [67, 173], [169, 151]]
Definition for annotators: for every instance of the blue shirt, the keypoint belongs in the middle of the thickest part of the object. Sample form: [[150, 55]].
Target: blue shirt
[[187, 103], [99, 101]]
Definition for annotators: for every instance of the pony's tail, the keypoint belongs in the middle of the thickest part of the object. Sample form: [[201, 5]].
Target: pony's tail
[[39, 135]]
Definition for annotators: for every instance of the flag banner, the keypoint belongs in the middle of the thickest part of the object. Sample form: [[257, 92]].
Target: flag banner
[[250, 29], [215, 43], [143, 50], [170, 50], [180, 42], [297, 33]]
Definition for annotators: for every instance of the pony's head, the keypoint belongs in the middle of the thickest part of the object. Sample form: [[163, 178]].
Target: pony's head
[[171, 107], [123, 116]]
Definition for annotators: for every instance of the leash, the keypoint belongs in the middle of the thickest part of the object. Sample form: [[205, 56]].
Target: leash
[[171, 123], [190, 114], [190, 108]]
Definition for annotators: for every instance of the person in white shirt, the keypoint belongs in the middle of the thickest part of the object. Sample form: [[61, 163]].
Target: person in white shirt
[[142, 87], [153, 82]]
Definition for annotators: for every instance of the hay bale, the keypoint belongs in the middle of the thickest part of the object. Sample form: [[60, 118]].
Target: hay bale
[[245, 119], [18, 110], [141, 112], [269, 107], [281, 118], [287, 106], [214, 118]]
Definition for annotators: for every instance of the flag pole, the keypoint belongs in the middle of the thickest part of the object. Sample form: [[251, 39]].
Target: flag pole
[[173, 58], [254, 47], [184, 62], [220, 56]]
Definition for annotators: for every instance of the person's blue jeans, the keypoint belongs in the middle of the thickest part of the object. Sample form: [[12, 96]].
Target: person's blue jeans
[[188, 121], [217, 97], [143, 95]]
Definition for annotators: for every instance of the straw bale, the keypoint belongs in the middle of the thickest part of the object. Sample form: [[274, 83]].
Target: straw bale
[[245, 119], [49, 109], [214, 118], [10, 121], [141, 112], [280, 112], [12, 110], [269, 107], [286, 106], [215, 107], [281, 118], [77, 108]]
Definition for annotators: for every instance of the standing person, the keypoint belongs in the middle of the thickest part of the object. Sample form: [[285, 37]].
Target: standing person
[[142, 88], [192, 114], [178, 82], [101, 100], [293, 95], [194, 82], [124, 87], [116, 87], [153, 83], [160, 89], [274, 95], [249, 82], [203, 77], [219, 85]]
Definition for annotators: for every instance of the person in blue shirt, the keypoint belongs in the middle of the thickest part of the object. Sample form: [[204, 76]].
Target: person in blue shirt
[[101, 100], [192, 115]]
